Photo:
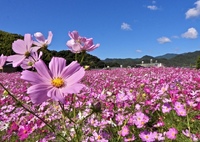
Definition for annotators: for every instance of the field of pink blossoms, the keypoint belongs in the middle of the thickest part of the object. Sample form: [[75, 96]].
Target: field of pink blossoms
[[138, 104]]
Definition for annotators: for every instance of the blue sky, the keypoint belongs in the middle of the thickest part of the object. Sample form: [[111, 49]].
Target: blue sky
[[124, 28]]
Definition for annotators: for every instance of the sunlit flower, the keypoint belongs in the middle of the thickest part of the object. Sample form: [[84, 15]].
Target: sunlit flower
[[23, 49], [55, 83], [78, 44], [41, 41], [89, 46]]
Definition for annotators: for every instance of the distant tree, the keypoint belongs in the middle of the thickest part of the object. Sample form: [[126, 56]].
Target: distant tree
[[6, 40], [198, 63]]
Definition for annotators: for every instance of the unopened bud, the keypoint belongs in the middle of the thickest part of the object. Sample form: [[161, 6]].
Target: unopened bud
[[5, 93]]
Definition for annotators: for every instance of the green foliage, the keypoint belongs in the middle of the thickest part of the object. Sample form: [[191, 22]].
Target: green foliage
[[6, 40], [198, 63]]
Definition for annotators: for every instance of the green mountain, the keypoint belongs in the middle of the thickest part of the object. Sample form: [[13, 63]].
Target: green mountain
[[167, 56], [170, 60]]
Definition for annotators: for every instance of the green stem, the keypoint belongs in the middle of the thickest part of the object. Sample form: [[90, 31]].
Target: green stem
[[30, 111], [87, 116], [188, 123], [76, 59], [74, 111], [83, 55], [65, 114]]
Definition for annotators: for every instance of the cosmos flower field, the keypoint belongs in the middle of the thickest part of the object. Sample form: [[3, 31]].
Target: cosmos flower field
[[124, 104]]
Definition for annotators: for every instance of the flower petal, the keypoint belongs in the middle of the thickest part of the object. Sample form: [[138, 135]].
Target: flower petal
[[74, 88], [28, 41], [76, 77], [74, 35], [38, 93], [39, 37], [19, 46], [56, 94], [77, 48], [70, 69], [70, 43], [49, 37], [30, 76], [56, 66], [16, 59], [43, 71], [34, 49]]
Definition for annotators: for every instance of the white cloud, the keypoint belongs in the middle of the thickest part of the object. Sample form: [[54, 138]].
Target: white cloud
[[162, 40], [175, 37], [152, 7], [193, 12], [139, 51], [191, 33], [125, 26]]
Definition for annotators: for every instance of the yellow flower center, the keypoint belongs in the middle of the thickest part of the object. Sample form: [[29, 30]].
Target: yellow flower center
[[98, 137], [30, 63], [27, 54], [57, 82]]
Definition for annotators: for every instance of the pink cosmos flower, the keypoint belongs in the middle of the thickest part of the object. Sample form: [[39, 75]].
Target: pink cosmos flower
[[147, 136], [124, 131], [120, 119], [178, 106], [30, 61], [55, 83], [41, 41], [181, 112], [23, 49], [166, 108], [89, 46], [78, 44], [24, 132], [2, 60], [140, 119], [171, 133], [121, 97]]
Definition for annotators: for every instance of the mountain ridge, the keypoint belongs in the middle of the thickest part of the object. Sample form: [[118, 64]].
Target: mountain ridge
[[187, 59]]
